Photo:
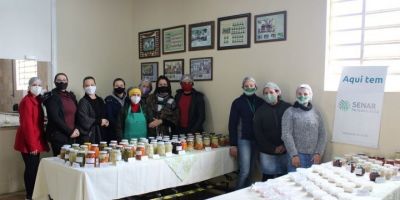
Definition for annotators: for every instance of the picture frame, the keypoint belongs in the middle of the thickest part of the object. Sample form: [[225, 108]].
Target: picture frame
[[201, 36], [149, 70], [270, 27], [174, 39], [201, 69], [149, 44], [174, 69], [234, 31]]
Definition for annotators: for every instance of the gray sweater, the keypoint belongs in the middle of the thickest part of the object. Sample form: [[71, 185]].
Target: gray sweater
[[303, 131]]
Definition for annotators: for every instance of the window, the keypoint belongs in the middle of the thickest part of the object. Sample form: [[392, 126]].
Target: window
[[24, 70], [363, 33]]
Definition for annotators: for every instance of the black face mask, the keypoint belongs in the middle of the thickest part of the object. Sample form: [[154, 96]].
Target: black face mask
[[163, 89], [61, 85], [119, 90]]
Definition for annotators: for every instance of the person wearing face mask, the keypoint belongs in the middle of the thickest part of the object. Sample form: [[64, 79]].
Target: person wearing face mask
[[91, 114], [162, 113], [132, 121], [268, 131], [191, 107], [241, 136], [303, 131], [145, 87], [61, 107], [29, 139], [114, 103]]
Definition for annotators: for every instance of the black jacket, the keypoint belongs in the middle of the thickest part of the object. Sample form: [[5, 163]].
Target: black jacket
[[57, 130], [267, 126], [197, 113]]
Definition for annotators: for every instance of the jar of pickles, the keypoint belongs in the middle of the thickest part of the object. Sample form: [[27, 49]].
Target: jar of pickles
[[214, 141], [96, 149], [103, 157], [115, 156], [161, 148], [63, 151], [84, 148], [102, 145], [198, 143], [72, 156], [206, 141], [80, 158], [190, 144], [88, 144], [90, 158], [127, 153]]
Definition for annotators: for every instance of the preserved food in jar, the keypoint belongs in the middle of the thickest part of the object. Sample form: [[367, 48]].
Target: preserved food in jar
[[214, 142], [127, 153], [95, 148], [206, 141], [90, 157], [190, 144], [102, 145], [161, 148], [198, 143], [80, 158], [103, 157]]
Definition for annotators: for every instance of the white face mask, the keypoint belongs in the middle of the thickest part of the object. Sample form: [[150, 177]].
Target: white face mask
[[36, 90], [90, 90], [135, 99]]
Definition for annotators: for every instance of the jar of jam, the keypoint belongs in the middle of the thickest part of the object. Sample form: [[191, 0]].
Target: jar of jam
[[198, 143], [177, 146], [102, 145], [139, 152], [75, 146], [154, 144], [359, 170], [190, 144], [88, 144], [90, 158], [184, 144], [141, 147], [374, 174], [206, 141], [127, 153], [96, 149], [80, 158], [119, 147], [214, 141], [161, 148], [103, 157]]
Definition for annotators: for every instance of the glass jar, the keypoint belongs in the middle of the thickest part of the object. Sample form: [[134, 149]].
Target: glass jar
[[113, 145], [88, 144], [102, 145], [190, 144], [133, 141], [177, 146], [142, 148], [127, 153], [113, 142], [80, 158], [359, 170], [140, 151], [96, 149], [108, 149], [103, 157], [90, 157], [124, 140], [63, 152], [115, 156], [206, 141], [168, 147], [72, 156], [184, 144], [374, 174], [119, 147], [84, 147], [75, 146], [161, 148], [150, 150], [214, 141], [198, 143]]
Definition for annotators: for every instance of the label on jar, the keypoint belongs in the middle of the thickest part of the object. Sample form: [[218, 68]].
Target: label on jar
[[90, 160], [156, 156], [358, 171], [79, 159], [66, 156], [178, 148], [208, 148], [181, 152]]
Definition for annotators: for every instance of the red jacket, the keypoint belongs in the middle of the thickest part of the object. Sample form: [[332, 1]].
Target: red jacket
[[30, 134]]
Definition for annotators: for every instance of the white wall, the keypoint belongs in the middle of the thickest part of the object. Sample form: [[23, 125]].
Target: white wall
[[100, 38]]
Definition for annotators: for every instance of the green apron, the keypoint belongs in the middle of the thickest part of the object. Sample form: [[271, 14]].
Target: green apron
[[135, 124]]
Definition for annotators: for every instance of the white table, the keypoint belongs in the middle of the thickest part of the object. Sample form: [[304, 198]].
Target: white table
[[389, 190], [129, 179]]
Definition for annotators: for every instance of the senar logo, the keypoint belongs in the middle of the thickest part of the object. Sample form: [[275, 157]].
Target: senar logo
[[344, 105]]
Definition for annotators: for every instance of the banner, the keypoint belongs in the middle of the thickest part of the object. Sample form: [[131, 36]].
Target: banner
[[359, 106]]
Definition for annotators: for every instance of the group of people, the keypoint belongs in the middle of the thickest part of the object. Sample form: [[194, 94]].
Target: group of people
[[126, 113], [285, 136]]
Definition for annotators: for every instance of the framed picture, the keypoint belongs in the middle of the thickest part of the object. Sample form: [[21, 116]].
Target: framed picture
[[174, 39], [174, 69], [270, 27], [201, 68], [234, 32], [201, 36], [149, 70], [149, 44]]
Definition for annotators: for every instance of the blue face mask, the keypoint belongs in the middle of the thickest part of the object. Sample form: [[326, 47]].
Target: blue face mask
[[270, 98], [303, 99], [249, 91]]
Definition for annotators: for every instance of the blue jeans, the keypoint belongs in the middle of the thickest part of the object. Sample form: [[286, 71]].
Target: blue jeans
[[245, 162], [273, 164], [305, 161]]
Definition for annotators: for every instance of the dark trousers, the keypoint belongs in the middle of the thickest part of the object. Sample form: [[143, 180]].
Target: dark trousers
[[31, 168], [56, 147]]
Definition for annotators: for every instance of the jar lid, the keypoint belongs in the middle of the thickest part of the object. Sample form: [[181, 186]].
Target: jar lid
[[91, 152], [103, 152], [87, 143], [75, 145], [67, 145], [81, 152], [161, 142], [83, 145], [103, 142], [113, 141], [128, 147], [95, 145]]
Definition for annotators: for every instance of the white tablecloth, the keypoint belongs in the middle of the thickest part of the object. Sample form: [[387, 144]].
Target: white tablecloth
[[389, 190], [129, 179]]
